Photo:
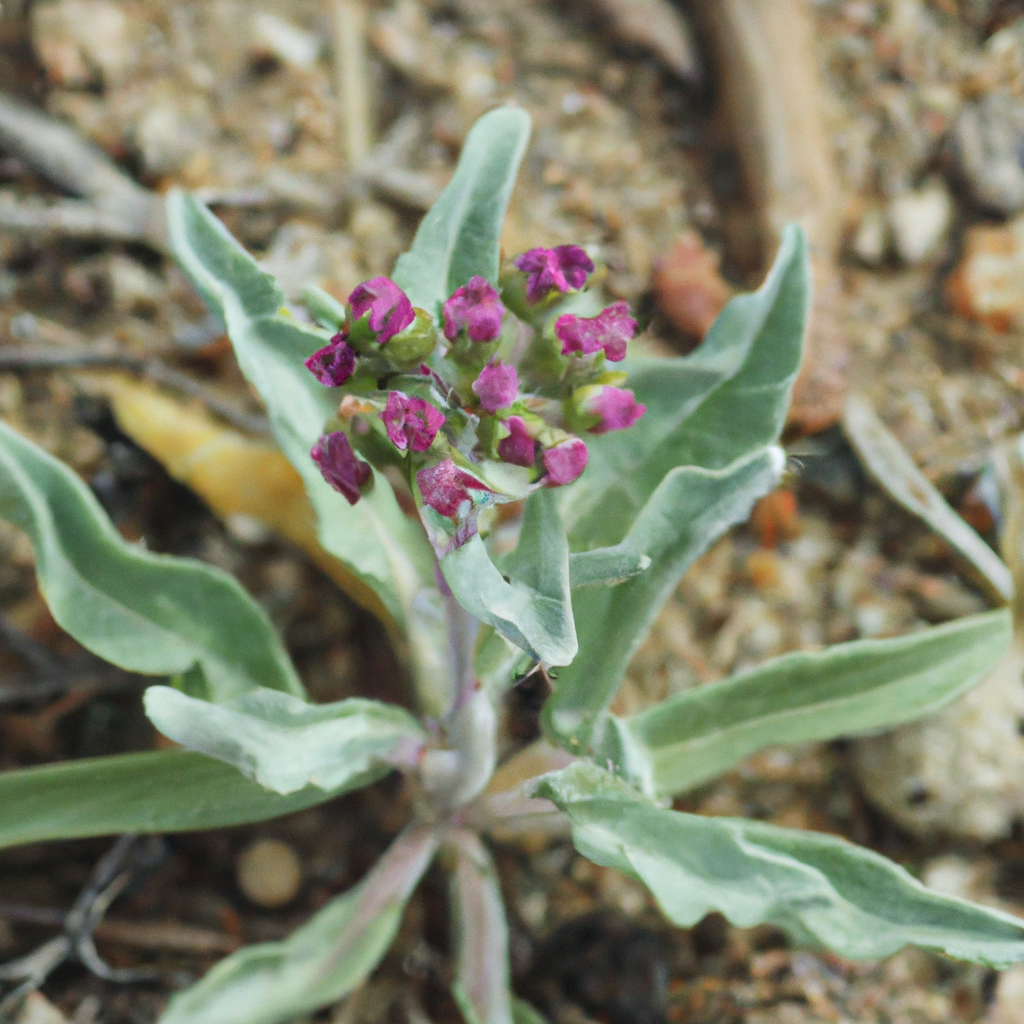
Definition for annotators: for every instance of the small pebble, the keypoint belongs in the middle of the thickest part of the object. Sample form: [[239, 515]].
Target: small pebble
[[871, 238], [920, 221], [988, 140], [37, 1009], [1008, 1005], [269, 873], [988, 284]]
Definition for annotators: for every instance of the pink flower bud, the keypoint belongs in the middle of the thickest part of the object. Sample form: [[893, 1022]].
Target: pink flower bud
[[610, 330], [334, 363], [476, 307], [339, 465], [518, 448], [564, 267], [565, 461], [389, 307], [497, 387], [616, 407], [411, 423], [445, 487]]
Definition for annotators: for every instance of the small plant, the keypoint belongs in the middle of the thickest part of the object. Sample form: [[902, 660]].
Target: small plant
[[459, 385]]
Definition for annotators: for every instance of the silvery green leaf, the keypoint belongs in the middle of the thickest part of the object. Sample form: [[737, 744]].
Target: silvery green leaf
[[320, 962], [156, 791], [845, 690], [385, 549], [141, 611], [524, 1013], [821, 889], [481, 985], [533, 609], [690, 509], [284, 743], [460, 235], [726, 399], [603, 567]]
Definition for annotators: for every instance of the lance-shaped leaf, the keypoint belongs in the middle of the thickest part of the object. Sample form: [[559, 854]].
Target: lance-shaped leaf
[[157, 791], [533, 609], [603, 567], [387, 551], [690, 509], [481, 933], [141, 611], [722, 402], [320, 962], [819, 888], [460, 235], [844, 690], [285, 744]]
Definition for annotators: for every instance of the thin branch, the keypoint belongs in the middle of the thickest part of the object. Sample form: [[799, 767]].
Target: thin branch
[[126, 861], [39, 357], [74, 164], [352, 77]]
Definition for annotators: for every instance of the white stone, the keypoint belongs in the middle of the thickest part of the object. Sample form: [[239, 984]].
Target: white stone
[[920, 221]]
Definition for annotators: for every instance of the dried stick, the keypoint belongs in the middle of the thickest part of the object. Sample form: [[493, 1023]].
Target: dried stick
[[114, 205], [122, 865], [351, 77], [38, 357]]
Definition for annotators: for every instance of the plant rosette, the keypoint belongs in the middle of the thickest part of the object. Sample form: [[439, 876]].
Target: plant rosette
[[413, 411]]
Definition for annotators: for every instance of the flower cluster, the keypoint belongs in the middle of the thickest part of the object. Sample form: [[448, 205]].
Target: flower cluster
[[479, 405]]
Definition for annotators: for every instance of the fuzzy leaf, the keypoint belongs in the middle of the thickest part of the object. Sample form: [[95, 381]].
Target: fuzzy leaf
[[282, 742], [320, 962], [720, 403], [690, 509], [158, 791], [386, 550], [845, 690], [460, 235], [141, 611], [819, 888], [482, 971], [603, 567], [533, 610]]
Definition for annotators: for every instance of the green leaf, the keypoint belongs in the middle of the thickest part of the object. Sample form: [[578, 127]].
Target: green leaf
[[690, 509], [524, 1013], [282, 742], [144, 612], [160, 791], [320, 962], [460, 235], [842, 691], [720, 403], [481, 985], [821, 889], [386, 550], [533, 610], [605, 566]]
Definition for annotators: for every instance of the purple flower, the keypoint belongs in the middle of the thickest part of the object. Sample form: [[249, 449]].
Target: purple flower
[[475, 306], [389, 307], [445, 487], [339, 465], [565, 461], [616, 407], [411, 422], [334, 363], [497, 387], [518, 448], [564, 267], [610, 330]]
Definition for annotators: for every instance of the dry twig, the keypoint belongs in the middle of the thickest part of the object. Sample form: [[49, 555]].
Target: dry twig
[[112, 204], [127, 860]]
